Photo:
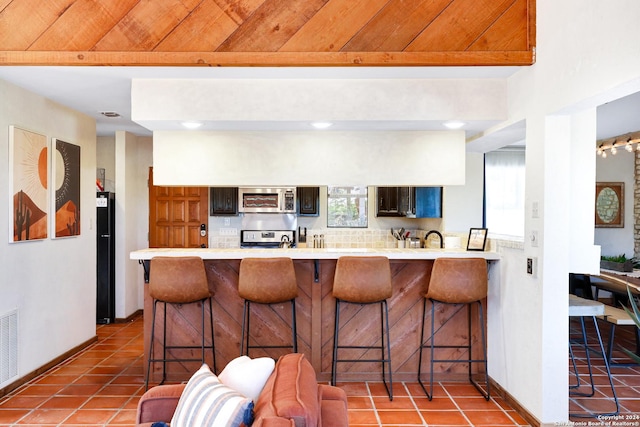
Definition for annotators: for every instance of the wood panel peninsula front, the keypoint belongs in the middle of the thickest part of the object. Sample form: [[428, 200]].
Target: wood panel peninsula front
[[410, 271]]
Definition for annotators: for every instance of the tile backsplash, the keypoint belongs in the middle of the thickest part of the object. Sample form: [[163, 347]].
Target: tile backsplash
[[346, 238]]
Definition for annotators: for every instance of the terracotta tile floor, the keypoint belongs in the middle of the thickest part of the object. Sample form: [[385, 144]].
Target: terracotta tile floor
[[626, 380], [101, 385]]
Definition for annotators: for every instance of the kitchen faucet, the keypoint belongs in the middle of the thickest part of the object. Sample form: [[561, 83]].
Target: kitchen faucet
[[426, 237]]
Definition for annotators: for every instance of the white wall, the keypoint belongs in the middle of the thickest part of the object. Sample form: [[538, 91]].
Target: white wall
[[463, 204], [618, 168], [106, 159], [126, 159], [557, 97], [52, 283], [305, 158], [160, 104], [138, 211]]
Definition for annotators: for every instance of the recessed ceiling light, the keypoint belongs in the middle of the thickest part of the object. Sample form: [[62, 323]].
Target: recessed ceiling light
[[454, 124], [192, 125], [110, 114], [321, 125]]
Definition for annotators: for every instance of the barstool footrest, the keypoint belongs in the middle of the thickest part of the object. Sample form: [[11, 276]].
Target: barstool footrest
[[186, 347], [486, 393], [203, 347], [268, 346], [365, 281], [246, 315]]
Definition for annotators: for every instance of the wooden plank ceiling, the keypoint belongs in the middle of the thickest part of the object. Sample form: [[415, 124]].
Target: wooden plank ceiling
[[267, 32]]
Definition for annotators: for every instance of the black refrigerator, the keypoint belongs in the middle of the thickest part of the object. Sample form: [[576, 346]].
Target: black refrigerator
[[106, 265]]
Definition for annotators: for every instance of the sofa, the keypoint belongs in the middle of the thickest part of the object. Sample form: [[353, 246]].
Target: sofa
[[291, 397]]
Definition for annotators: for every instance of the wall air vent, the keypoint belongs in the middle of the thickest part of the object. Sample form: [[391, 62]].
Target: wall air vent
[[110, 114], [8, 346]]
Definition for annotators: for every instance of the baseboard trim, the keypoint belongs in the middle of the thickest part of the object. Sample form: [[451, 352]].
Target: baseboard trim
[[512, 402], [31, 375], [129, 318]]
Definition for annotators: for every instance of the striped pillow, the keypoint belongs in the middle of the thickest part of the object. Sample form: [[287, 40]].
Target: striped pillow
[[205, 401]]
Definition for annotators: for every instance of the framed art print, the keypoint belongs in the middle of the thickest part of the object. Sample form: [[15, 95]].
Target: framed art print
[[66, 180], [609, 205], [477, 239], [28, 183]]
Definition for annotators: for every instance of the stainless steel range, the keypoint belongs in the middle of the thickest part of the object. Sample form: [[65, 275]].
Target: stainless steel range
[[268, 230], [267, 238]]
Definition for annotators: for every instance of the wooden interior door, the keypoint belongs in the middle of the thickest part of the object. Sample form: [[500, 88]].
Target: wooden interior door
[[176, 215]]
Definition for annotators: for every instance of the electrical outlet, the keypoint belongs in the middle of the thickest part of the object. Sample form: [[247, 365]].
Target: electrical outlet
[[228, 231], [531, 266]]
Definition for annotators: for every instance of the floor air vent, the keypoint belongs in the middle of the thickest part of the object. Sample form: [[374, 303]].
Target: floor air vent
[[8, 346]]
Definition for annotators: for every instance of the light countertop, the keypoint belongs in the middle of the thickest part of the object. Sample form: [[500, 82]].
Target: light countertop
[[584, 307], [310, 253]]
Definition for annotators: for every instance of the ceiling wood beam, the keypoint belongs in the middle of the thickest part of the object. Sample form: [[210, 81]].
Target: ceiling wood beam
[[219, 33], [292, 59]]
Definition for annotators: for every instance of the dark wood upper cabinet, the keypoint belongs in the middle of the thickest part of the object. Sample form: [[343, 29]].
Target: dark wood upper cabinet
[[308, 201], [388, 201], [414, 202], [223, 201]]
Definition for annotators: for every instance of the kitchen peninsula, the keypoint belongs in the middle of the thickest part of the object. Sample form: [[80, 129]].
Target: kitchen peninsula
[[410, 270]]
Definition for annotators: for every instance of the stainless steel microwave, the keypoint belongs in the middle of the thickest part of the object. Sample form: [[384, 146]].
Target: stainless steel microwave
[[267, 200]]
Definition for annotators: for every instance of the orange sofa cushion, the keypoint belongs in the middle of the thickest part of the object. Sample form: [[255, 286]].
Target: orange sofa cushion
[[291, 392]]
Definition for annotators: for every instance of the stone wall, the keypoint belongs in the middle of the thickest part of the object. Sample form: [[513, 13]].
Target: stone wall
[[636, 207]]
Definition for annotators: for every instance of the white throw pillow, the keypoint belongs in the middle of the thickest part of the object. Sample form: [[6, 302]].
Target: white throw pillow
[[206, 401], [248, 376]]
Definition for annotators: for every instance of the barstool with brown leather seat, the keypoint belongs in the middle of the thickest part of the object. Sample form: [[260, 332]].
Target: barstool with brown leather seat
[[461, 281], [267, 281], [177, 281], [364, 280]]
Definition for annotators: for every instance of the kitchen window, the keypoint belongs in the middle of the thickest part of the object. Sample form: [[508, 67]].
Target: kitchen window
[[347, 207], [504, 173]]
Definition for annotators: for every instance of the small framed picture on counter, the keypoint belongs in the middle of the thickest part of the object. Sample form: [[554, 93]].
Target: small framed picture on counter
[[477, 239]]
